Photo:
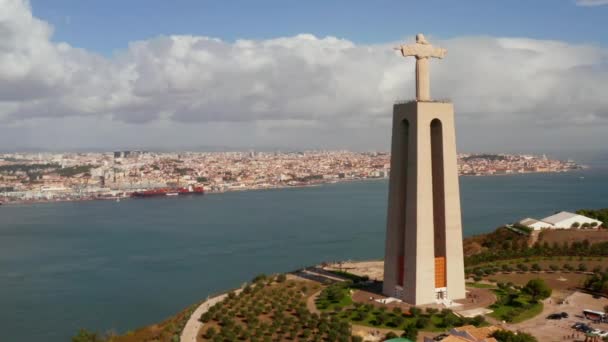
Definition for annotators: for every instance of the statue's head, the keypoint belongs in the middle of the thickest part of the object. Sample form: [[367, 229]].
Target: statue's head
[[420, 39]]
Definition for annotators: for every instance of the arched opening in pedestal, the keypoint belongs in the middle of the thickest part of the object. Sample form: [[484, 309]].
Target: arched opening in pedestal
[[400, 238], [439, 226]]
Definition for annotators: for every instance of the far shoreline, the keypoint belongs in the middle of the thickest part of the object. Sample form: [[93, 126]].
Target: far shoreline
[[283, 187]]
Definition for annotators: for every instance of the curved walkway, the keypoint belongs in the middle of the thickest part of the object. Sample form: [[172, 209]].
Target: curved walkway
[[194, 325], [311, 304]]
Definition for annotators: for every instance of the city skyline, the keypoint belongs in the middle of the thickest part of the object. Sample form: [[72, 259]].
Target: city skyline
[[69, 84]]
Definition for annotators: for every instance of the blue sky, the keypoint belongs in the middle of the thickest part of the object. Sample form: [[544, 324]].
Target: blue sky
[[523, 75], [105, 26]]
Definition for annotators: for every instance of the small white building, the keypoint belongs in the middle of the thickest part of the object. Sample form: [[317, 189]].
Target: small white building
[[535, 224], [561, 220]]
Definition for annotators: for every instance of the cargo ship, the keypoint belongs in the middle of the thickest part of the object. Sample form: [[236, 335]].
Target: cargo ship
[[190, 190]]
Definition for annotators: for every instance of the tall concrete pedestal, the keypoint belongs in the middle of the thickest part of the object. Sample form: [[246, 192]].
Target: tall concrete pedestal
[[424, 259]]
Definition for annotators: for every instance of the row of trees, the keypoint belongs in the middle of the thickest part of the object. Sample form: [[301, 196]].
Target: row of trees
[[515, 249], [509, 336], [585, 225], [487, 270]]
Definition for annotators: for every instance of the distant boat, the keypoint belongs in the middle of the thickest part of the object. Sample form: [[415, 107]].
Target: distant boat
[[190, 190]]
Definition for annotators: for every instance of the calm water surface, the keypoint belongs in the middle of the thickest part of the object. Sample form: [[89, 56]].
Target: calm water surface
[[117, 266]]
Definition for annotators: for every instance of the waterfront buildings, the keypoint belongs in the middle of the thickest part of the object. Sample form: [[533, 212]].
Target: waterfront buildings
[[78, 176]]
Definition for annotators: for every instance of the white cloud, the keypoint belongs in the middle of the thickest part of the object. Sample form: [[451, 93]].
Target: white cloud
[[301, 80], [591, 3]]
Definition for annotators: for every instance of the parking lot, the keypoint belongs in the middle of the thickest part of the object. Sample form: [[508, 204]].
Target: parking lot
[[561, 330]]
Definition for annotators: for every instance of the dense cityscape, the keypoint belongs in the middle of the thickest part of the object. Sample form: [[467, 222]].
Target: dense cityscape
[[40, 177]]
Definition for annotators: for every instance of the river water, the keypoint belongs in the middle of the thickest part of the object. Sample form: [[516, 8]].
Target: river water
[[118, 266]]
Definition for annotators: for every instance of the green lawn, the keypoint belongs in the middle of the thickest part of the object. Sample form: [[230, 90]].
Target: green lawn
[[519, 309], [328, 303]]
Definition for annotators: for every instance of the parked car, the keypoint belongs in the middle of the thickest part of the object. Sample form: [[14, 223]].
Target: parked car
[[600, 333], [577, 325], [554, 316]]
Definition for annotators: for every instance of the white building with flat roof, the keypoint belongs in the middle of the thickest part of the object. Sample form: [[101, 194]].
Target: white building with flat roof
[[535, 224], [561, 220]]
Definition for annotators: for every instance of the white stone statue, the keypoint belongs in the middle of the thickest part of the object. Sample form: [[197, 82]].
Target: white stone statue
[[422, 50]]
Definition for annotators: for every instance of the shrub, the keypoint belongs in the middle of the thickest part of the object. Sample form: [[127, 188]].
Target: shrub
[[259, 278], [422, 322], [410, 332], [390, 335], [478, 320], [509, 336], [210, 333], [397, 321], [281, 278]]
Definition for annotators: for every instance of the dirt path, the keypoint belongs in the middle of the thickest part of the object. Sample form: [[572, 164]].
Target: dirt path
[[310, 303], [194, 325]]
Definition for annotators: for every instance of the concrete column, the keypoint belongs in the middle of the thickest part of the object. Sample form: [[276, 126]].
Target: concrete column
[[423, 80], [413, 213]]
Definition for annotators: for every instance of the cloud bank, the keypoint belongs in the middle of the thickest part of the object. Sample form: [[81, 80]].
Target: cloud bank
[[286, 83], [591, 3]]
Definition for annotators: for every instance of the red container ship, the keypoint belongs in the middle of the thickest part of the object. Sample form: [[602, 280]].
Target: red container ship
[[190, 190]]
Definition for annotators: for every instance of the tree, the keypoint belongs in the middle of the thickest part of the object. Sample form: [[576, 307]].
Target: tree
[[410, 332], [478, 320], [398, 320], [422, 322], [538, 289], [575, 225], [281, 278], [449, 320], [210, 333], [86, 336], [259, 278]]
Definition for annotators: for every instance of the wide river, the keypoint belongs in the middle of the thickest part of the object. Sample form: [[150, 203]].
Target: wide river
[[117, 266]]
